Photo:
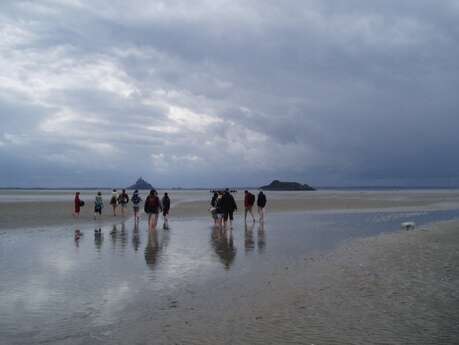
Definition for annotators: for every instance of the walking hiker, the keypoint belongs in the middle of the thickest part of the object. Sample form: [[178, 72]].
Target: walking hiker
[[123, 200], [152, 208], [249, 201], [114, 201], [229, 206], [261, 203], [213, 207], [77, 205], [98, 205], [166, 204], [136, 200]]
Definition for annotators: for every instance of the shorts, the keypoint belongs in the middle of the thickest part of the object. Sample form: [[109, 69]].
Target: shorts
[[123, 205], [228, 214], [98, 209], [136, 208], [165, 212]]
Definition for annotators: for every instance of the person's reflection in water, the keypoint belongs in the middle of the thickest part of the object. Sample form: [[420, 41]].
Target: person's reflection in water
[[157, 242], [136, 236], [114, 234], [152, 248], [222, 241], [249, 243], [98, 238], [123, 236], [76, 236], [261, 243]]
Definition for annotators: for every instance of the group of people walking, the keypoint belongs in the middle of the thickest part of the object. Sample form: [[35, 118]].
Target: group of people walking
[[119, 201], [222, 206]]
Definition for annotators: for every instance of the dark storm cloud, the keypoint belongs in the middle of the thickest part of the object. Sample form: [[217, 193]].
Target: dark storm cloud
[[217, 92]]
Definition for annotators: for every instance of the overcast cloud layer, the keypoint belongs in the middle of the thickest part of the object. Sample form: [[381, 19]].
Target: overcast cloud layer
[[213, 92]]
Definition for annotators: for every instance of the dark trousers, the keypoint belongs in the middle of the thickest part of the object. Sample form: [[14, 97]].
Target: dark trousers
[[227, 214]]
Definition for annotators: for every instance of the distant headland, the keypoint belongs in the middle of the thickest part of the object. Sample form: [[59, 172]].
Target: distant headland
[[287, 186], [141, 184]]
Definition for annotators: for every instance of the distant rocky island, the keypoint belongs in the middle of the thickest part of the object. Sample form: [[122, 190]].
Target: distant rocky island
[[286, 186], [141, 184]]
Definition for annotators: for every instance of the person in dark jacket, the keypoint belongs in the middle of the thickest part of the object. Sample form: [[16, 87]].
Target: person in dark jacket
[[261, 203], [152, 208], [123, 201], [229, 206], [166, 204], [136, 200]]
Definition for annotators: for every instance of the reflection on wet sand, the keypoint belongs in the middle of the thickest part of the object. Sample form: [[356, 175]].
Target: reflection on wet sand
[[222, 242], [249, 243], [76, 236], [152, 249], [261, 238], [98, 239], [120, 236], [114, 234], [136, 237], [155, 246], [123, 236]]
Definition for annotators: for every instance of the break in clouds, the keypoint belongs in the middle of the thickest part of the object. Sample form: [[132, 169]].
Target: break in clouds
[[202, 93]]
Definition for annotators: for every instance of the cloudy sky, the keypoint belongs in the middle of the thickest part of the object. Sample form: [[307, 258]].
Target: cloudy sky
[[214, 92]]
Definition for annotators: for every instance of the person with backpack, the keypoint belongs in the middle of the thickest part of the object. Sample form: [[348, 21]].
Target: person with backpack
[[114, 201], [98, 205], [77, 205], [249, 201], [136, 200], [219, 209], [166, 205], [123, 200], [261, 203], [229, 206], [152, 207], [213, 207]]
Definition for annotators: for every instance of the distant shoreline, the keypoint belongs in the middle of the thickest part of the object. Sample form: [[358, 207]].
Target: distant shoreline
[[319, 188]]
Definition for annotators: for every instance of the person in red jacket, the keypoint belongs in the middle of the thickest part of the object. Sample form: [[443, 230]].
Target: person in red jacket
[[249, 201], [77, 205]]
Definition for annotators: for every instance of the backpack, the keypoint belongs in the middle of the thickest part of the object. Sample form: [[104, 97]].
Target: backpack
[[261, 200], [135, 199], [123, 198], [166, 202], [151, 204]]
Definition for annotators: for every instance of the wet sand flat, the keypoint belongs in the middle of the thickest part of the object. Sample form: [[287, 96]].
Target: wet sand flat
[[57, 210], [299, 279], [398, 288]]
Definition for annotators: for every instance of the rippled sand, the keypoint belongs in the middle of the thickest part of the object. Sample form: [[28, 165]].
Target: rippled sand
[[22, 211], [400, 288]]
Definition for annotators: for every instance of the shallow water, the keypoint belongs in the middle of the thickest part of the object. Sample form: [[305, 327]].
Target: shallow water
[[55, 290]]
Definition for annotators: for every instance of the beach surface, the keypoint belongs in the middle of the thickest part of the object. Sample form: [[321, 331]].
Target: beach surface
[[313, 276], [47, 208], [397, 288]]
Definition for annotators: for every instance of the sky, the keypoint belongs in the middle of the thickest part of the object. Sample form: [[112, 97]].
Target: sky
[[229, 93]]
